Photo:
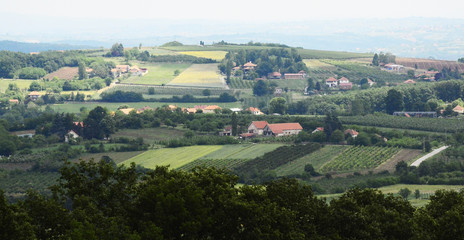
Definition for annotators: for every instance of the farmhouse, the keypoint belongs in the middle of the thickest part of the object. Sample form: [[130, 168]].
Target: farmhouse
[[211, 108], [299, 75], [141, 110], [331, 82], [458, 109], [254, 111], [394, 67], [257, 127], [123, 68], [409, 81], [226, 132], [274, 75], [70, 135], [351, 132], [34, 95], [136, 71], [345, 84], [249, 66], [370, 82], [319, 129], [282, 129]]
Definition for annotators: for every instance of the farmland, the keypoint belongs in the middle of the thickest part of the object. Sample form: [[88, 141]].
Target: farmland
[[242, 151], [238, 83], [359, 158], [175, 157], [117, 157], [201, 75], [158, 73], [150, 135], [317, 64], [430, 63], [215, 55], [321, 54], [66, 73], [317, 159], [167, 90]]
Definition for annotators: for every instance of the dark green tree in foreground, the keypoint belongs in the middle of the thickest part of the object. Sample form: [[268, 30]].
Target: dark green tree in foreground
[[260, 88], [394, 101], [375, 60]]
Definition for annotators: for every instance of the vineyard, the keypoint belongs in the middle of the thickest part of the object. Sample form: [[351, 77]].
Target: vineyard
[[217, 163], [424, 124], [356, 72], [317, 159], [359, 158], [238, 83], [16, 183], [429, 63], [321, 54]]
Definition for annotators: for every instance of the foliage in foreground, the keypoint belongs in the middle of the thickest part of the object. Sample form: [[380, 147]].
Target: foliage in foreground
[[101, 201]]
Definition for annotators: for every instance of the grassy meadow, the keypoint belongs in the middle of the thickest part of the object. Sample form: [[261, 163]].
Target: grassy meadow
[[215, 55], [22, 83], [242, 151], [174, 157], [158, 73], [201, 75], [150, 135]]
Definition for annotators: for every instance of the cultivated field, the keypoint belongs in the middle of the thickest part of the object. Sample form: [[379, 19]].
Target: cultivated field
[[215, 55], [430, 63], [316, 64], [22, 84], [175, 157], [75, 107], [66, 73], [168, 90], [202, 75], [158, 51], [158, 73], [242, 151], [319, 54], [116, 156], [359, 158], [317, 159]]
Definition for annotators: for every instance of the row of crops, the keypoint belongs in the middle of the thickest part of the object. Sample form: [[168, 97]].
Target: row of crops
[[217, 163], [360, 158], [164, 90], [238, 83], [17, 183], [424, 124]]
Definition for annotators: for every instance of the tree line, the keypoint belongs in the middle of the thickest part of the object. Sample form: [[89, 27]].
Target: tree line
[[97, 200]]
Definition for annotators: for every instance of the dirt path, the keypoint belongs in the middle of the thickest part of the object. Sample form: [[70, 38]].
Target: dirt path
[[433, 153], [403, 155]]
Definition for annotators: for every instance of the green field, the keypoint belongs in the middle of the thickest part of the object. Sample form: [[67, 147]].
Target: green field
[[150, 135], [200, 75], [321, 54], [158, 73], [22, 84], [242, 151], [359, 158], [316, 64], [175, 157], [168, 90], [317, 159], [116, 156], [293, 84], [75, 107], [215, 55]]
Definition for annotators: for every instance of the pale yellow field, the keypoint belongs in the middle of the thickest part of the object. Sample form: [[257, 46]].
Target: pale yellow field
[[203, 75], [22, 84], [316, 64], [215, 55]]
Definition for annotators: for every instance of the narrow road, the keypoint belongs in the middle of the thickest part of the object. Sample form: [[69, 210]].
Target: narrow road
[[429, 155]]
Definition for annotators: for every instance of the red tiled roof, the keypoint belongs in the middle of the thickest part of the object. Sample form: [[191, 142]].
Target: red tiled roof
[[212, 107], [344, 79], [275, 74], [249, 64], [410, 81], [34, 93], [458, 108], [79, 124], [259, 124], [280, 127], [331, 79], [351, 132]]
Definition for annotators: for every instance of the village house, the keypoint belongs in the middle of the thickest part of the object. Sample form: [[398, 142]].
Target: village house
[[136, 71], [458, 109], [282, 129], [254, 111], [126, 110], [351, 132], [331, 82], [123, 68], [211, 109], [318, 129], [226, 132], [274, 75], [236, 109], [300, 75], [25, 133], [70, 135], [409, 81], [34, 95], [345, 84], [278, 91], [257, 127], [249, 66], [394, 67], [370, 82]]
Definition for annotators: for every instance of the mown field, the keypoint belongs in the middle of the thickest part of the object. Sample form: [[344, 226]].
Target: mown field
[[158, 73], [317, 159], [201, 75], [150, 135], [21, 83], [215, 55], [174, 157], [242, 151], [75, 107], [316, 64]]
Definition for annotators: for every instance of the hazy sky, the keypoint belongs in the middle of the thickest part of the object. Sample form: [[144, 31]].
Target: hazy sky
[[252, 10]]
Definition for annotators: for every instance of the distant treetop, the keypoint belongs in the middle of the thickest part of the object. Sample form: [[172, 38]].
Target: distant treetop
[[172, 44]]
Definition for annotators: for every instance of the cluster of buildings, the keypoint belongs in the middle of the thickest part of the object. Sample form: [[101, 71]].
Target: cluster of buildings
[[263, 128], [249, 66], [193, 110], [124, 69]]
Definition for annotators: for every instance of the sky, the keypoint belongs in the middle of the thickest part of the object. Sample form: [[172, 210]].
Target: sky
[[238, 10]]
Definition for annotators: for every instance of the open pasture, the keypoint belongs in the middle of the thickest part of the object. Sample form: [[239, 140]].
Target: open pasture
[[215, 55], [174, 157], [22, 84], [202, 75], [158, 73], [150, 135]]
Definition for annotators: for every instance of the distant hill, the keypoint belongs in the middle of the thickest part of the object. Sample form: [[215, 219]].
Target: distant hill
[[38, 47]]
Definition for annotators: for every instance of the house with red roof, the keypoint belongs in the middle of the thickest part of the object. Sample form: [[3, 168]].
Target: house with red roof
[[331, 82], [319, 129], [274, 75], [254, 111], [282, 129], [345, 84], [34, 95], [249, 66], [13, 101], [257, 127], [458, 109], [300, 75], [409, 81], [211, 109], [351, 132]]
